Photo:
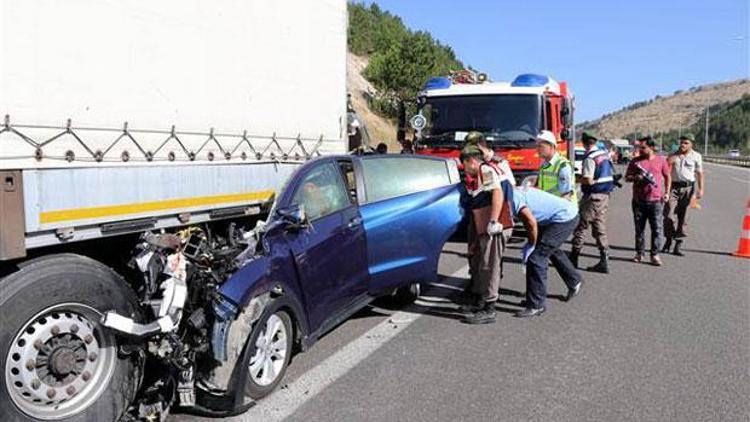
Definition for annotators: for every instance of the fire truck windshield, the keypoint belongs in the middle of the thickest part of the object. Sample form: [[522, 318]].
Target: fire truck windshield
[[503, 118]]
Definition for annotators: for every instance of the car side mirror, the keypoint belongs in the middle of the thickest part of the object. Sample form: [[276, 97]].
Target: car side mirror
[[292, 217]]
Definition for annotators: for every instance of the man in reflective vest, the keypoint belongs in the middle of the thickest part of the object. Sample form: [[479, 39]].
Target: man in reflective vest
[[597, 181], [556, 172]]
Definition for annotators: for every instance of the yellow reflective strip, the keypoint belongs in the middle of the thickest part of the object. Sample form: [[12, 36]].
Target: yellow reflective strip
[[141, 207]]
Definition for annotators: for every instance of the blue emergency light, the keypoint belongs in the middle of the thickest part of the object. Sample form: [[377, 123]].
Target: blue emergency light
[[530, 80], [440, 82]]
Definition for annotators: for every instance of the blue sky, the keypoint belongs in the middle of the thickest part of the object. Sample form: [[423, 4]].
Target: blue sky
[[612, 53]]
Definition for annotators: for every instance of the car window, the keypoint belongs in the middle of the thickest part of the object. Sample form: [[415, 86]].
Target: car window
[[321, 192], [390, 177]]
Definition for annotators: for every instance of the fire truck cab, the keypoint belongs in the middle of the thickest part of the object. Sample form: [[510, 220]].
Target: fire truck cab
[[510, 114]]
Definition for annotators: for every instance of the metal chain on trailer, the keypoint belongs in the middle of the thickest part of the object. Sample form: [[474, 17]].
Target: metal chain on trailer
[[271, 151]]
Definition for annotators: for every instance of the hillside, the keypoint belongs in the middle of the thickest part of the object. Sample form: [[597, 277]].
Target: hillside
[[387, 65], [663, 114], [381, 129]]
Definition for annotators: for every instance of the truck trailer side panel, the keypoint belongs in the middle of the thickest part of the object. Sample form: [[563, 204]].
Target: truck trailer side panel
[[127, 116]]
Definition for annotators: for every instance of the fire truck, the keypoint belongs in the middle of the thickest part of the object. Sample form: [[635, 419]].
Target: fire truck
[[510, 114]]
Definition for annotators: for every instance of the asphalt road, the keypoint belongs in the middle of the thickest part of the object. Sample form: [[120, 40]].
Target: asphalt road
[[641, 344]]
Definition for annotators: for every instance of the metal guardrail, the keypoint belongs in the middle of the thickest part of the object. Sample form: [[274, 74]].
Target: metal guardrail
[[732, 161]]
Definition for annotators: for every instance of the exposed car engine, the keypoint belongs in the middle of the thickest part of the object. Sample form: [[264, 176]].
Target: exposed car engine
[[180, 276]]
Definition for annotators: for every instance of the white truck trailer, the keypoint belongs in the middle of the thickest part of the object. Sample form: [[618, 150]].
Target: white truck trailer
[[123, 117]]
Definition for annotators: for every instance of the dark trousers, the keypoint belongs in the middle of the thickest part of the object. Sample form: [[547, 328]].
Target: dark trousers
[[551, 237], [653, 213]]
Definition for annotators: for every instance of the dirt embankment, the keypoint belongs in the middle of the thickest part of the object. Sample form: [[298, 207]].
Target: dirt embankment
[[379, 128]]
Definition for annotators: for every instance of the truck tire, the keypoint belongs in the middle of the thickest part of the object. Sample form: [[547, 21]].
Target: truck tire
[[59, 364], [268, 352]]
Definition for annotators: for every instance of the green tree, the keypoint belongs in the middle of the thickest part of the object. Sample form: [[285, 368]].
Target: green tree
[[400, 60]]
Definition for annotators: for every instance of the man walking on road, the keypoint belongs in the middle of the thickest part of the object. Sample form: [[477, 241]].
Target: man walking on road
[[597, 181], [489, 214], [556, 172], [687, 169], [651, 178], [549, 221]]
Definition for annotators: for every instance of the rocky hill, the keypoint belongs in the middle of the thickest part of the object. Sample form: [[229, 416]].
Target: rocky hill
[[663, 114], [380, 128]]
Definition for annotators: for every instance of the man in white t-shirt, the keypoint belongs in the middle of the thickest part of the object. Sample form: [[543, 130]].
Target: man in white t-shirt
[[687, 171]]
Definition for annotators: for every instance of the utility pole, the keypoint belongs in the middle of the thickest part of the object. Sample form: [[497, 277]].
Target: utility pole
[[705, 136]]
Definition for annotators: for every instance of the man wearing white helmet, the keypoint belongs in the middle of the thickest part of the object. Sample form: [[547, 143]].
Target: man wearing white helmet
[[556, 172]]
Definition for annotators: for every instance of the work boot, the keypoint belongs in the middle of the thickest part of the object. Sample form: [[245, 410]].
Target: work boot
[[486, 315], [677, 245], [574, 254], [472, 304], [603, 265]]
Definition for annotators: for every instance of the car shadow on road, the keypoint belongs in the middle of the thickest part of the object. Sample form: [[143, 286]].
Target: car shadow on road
[[370, 311]]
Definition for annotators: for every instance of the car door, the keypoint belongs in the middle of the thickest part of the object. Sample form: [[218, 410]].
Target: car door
[[327, 252], [412, 206]]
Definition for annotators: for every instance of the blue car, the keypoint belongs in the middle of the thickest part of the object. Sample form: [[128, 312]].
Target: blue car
[[344, 230]]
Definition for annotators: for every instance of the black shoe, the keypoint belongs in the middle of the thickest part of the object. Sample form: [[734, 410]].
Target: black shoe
[[470, 308], [529, 312], [574, 291], [667, 246], [486, 315], [602, 266], [677, 248]]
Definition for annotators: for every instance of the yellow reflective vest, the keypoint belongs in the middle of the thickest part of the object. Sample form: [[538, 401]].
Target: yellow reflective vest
[[549, 177]]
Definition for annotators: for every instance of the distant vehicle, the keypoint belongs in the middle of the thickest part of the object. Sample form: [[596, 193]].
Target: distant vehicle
[[625, 154], [734, 153]]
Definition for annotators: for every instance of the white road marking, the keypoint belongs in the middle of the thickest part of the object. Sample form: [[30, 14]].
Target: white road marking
[[284, 402]]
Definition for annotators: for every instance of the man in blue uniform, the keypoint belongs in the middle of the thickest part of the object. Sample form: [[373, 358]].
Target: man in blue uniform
[[597, 181], [549, 221]]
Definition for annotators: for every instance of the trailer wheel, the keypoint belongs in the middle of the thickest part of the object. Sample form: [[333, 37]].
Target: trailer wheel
[[268, 352], [59, 363]]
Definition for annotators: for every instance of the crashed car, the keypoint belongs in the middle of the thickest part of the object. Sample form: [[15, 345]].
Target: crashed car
[[227, 311]]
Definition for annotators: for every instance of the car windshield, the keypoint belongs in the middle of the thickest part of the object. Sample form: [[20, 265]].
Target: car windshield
[[502, 118]]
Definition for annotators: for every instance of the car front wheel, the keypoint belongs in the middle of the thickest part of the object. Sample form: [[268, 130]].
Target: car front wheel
[[268, 352]]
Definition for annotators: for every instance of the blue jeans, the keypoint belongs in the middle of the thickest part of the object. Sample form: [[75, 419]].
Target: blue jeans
[[551, 237], [653, 213]]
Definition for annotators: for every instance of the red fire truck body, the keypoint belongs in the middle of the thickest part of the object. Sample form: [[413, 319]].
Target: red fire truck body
[[509, 114]]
